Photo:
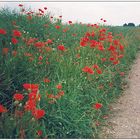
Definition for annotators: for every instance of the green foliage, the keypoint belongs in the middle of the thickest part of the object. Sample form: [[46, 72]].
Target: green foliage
[[72, 115]]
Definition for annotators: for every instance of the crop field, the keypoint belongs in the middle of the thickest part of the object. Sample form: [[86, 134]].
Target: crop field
[[58, 80]]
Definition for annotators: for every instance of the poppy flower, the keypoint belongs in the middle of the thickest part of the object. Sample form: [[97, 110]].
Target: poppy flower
[[99, 71], [29, 17], [38, 113], [14, 53], [121, 47], [98, 106], [122, 73], [39, 132], [46, 80], [83, 43], [2, 109], [111, 58], [5, 51], [32, 87], [41, 10], [116, 62], [40, 58], [95, 66], [45, 8], [70, 22], [59, 86], [39, 44], [30, 105], [17, 33], [20, 5], [61, 93], [18, 96], [61, 48], [14, 41], [2, 31], [88, 70], [50, 96], [101, 47], [103, 59], [111, 48], [34, 96], [57, 27], [49, 41]]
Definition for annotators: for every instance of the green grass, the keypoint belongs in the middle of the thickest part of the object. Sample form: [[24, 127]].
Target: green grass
[[72, 115]]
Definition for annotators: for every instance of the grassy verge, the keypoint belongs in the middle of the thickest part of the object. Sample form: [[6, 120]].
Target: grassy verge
[[57, 81]]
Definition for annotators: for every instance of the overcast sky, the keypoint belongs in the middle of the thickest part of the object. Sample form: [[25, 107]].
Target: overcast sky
[[116, 13]]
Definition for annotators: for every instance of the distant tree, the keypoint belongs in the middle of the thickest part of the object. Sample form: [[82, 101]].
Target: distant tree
[[131, 24], [124, 24]]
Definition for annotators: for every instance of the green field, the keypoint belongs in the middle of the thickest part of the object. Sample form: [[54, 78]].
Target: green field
[[59, 80]]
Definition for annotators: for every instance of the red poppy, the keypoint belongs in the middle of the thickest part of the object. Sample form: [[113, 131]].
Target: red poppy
[[39, 132], [38, 113], [41, 10], [111, 58], [14, 53], [78, 55], [88, 70], [39, 44], [32, 87], [122, 73], [95, 66], [103, 59], [59, 86], [46, 80], [61, 93], [70, 22], [17, 33], [40, 58], [101, 47], [49, 41], [14, 41], [57, 27], [2, 109], [18, 96], [121, 48], [20, 5], [30, 105], [61, 48], [29, 17], [83, 43], [99, 71], [34, 96], [5, 51], [120, 56], [45, 8], [2, 31], [28, 54], [50, 95], [116, 62], [111, 48], [98, 106]]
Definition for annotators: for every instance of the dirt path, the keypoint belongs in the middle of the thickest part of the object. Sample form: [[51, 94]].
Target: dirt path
[[125, 120]]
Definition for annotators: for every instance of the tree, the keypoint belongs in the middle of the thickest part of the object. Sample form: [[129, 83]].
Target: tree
[[125, 25], [131, 24]]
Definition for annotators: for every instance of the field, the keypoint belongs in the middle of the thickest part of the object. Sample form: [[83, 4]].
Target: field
[[59, 80]]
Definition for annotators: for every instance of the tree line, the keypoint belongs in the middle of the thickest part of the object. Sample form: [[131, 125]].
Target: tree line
[[130, 25]]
